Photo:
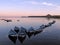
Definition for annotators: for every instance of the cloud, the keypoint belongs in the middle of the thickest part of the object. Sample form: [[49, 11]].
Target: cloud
[[48, 4], [39, 3]]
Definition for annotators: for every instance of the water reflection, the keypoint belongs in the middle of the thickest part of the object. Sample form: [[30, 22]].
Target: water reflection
[[30, 32], [21, 38], [13, 38], [22, 33], [7, 20], [18, 20], [37, 32]]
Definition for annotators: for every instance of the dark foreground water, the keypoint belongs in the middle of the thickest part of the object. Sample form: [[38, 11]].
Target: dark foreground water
[[49, 36]]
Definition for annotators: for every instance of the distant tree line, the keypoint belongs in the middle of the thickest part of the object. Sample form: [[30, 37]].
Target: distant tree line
[[47, 16], [54, 16]]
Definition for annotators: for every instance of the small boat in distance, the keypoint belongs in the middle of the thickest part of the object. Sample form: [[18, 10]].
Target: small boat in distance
[[8, 20], [53, 22]]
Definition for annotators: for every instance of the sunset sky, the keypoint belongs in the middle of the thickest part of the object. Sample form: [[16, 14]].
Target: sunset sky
[[29, 7]]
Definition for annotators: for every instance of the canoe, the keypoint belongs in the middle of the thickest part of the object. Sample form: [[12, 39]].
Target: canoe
[[12, 32], [42, 27], [16, 29], [12, 36], [30, 32], [22, 34], [23, 29], [37, 31]]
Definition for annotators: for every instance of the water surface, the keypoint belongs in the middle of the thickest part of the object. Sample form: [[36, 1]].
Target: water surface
[[49, 36]]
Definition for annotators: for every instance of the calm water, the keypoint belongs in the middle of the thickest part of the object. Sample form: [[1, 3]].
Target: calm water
[[49, 36]]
